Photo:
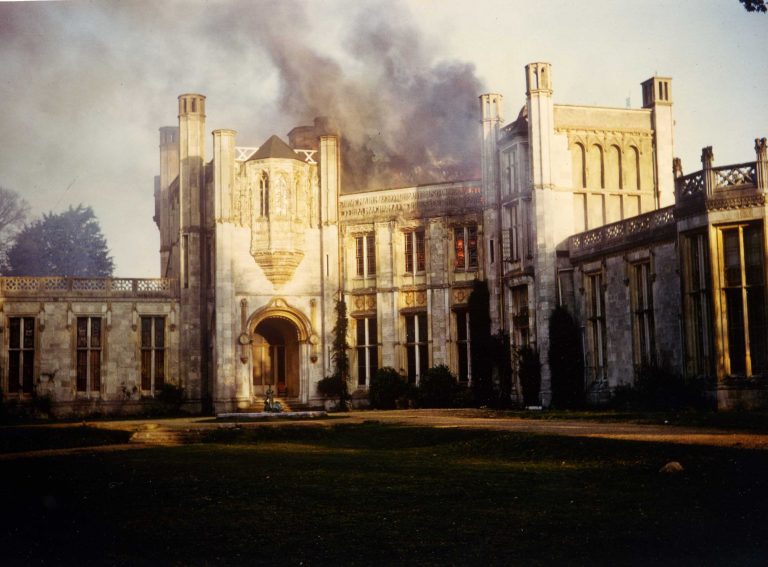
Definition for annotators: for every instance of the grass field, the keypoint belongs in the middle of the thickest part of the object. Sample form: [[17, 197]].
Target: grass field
[[373, 494]]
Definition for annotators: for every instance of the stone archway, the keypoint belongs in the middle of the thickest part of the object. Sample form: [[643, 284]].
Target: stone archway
[[279, 335], [275, 355]]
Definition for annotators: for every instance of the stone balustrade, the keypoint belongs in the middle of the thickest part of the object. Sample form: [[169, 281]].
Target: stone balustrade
[[655, 225], [30, 286], [723, 178]]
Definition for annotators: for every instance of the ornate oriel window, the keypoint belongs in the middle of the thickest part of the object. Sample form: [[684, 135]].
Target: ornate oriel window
[[264, 194], [462, 345], [415, 252], [743, 298], [152, 353], [643, 336], [596, 331], [367, 349], [365, 255], [696, 289], [88, 343], [465, 247], [416, 347], [21, 354]]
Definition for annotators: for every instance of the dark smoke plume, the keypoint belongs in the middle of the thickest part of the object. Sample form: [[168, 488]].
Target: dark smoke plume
[[405, 117]]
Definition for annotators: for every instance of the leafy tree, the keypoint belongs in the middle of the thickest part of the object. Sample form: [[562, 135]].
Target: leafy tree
[[565, 360], [13, 213], [65, 244], [754, 5], [336, 385]]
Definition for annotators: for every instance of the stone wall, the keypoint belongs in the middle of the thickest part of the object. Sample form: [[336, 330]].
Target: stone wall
[[55, 305]]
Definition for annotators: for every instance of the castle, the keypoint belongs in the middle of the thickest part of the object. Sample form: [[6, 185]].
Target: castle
[[577, 206]]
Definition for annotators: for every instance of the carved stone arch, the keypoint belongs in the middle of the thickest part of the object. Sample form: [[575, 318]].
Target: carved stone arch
[[596, 164], [279, 308], [613, 167], [579, 163]]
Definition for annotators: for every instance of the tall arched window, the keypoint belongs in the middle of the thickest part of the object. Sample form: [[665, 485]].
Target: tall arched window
[[264, 194], [613, 168], [632, 176], [579, 163], [596, 172]]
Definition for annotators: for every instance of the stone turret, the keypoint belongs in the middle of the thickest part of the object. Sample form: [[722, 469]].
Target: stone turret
[[657, 95]]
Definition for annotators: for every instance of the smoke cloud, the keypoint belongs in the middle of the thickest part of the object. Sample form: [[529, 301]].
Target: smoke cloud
[[87, 85], [405, 116]]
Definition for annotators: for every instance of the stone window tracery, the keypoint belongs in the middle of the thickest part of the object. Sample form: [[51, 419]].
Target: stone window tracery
[[152, 353], [367, 349], [696, 290], [21, 355], [641, 288], [465, 248], [365, 255], [596, 329], [415, 252], [416, 346], [88, 346], [462, 345], [743, 296]]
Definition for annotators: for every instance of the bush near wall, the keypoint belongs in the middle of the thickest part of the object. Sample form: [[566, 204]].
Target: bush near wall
[[658, 388], [565, 360], [437, 387], [386, 388], [529, 371]]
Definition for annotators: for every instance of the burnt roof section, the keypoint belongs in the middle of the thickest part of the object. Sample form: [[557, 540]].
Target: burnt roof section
[[274, 148]]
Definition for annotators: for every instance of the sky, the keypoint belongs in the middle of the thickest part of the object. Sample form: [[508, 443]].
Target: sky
[[85, 85]]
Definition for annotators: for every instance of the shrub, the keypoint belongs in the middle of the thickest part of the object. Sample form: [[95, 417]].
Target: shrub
[[658, 388], [333, 386], [386, 387], [565, 360], [529, 371], [436, 387], [171, 396]]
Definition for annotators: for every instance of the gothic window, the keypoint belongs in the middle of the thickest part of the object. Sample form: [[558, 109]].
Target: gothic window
[[641, 289], [462, 345], [21, 354], [743, 295], [365, 255], [579, 165], [465, 248], [88, 342], [613, 168], [596, 331], [698, 343], [152, 353], [415, 252], [595, 170], [416, 349], [367, 350], [264, 194], [514, 233]]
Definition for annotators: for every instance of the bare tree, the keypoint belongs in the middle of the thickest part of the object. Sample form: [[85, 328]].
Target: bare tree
[[13, 214]]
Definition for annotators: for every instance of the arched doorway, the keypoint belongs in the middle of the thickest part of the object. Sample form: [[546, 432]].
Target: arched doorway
[[275, 347]]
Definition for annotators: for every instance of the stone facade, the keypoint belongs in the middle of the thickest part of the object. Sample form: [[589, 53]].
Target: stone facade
[[577, 206]]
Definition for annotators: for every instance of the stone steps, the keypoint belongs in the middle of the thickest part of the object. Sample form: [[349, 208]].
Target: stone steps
[[165, 436]]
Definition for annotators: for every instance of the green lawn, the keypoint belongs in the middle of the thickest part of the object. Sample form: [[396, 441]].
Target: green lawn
[[383, 495]]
